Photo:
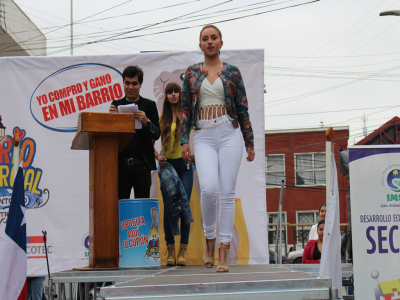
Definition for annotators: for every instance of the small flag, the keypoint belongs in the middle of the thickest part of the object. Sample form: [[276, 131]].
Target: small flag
[[13, 262], [330, 257]]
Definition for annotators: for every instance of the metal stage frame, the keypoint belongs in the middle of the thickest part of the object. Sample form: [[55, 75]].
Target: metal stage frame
[[290, 282]]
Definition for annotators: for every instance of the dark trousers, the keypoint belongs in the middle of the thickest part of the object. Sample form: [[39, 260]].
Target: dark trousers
[[186, 176], [137, 177]]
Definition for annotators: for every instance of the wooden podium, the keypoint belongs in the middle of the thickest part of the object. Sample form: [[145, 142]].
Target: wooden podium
[[103, 134]]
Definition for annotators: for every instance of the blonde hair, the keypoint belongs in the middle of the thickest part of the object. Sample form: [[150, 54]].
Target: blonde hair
[[211, 26]]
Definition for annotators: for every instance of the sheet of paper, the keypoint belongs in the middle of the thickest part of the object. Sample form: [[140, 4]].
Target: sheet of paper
[[128, 109]]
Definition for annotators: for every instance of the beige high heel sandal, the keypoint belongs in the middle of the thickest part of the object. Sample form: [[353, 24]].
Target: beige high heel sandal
[[223, 267], [208, 260]]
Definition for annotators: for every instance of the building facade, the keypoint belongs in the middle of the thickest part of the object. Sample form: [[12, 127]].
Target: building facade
[[298, 157], [19, 36]]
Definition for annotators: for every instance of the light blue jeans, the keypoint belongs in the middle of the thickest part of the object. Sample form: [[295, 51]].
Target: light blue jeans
[[218, 148], [35, 288], [184, 170]]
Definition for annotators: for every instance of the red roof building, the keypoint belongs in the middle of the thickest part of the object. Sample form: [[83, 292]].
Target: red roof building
[[388, 133]]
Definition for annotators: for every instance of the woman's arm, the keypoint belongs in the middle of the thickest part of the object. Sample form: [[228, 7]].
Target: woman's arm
[[186, 154], [162, 160], [154, 124], [186, 108], [241, 107]]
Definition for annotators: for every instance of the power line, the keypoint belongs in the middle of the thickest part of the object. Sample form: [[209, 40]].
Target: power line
[[283, 139], [140, 27], [105, 18], [331, 111], [332, 41], [326, 68], [298, 97], [331, 57], [22, 42], [321, 72], [104, 45], [119, 35]]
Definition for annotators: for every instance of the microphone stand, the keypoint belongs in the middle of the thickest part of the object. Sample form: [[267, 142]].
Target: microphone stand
[[52, 292]]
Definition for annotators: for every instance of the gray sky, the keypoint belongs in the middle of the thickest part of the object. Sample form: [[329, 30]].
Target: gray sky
[[329, 61]]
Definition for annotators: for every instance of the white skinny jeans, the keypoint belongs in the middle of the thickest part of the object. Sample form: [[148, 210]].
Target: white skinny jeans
[[218, 149]]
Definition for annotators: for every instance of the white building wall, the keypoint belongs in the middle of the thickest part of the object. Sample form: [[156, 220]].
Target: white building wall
[[19, 36]]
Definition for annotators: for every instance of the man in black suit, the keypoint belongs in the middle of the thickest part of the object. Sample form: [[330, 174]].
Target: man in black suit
[[137, 160]]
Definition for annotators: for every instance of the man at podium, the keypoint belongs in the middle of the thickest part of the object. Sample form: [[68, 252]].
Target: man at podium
[[137, 160]]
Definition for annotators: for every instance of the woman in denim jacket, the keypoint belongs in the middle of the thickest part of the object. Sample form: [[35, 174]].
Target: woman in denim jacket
[[171, 152], [214, 101]]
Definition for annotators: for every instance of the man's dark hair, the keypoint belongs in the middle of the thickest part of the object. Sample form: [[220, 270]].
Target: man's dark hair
[[132, 71]]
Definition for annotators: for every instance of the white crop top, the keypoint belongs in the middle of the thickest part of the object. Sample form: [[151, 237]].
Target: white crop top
[[211, 94]]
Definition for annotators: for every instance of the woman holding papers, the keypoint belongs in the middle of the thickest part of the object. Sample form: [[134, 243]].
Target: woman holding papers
[[312, 251], [214, 101], [171, 152]]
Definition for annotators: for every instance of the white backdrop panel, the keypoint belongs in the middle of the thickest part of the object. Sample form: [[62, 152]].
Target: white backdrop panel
[[58, 177]]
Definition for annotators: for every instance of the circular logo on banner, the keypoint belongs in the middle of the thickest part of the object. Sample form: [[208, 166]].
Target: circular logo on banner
[[58, 99], [86, 242], [393, 180]]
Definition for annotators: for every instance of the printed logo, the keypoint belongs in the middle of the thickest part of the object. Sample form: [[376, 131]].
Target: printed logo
[[388, 290], [85, 244], [63, 94], [34, 196], [153, 247], [393, 180], [35, 247]]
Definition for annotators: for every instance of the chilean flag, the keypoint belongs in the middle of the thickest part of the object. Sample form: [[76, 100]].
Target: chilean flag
[[13, 262]]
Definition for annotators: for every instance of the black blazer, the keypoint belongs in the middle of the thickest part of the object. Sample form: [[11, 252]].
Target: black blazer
[[147, 134]]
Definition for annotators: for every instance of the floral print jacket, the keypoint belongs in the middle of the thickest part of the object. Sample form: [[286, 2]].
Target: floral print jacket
[[235, 97]]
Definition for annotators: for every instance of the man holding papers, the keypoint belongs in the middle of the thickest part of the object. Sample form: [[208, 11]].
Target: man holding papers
[[137, 160]]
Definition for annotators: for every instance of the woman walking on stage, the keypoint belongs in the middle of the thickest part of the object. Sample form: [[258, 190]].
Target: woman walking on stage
[[214, 101], [172, 153]]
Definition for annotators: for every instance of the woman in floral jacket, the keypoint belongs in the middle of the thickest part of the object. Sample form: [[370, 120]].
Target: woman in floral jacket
[[214, 102]]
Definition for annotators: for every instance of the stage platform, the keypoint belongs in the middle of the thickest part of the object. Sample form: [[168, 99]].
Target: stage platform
[[289, 282]]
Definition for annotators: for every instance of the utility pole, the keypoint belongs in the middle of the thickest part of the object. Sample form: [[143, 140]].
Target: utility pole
[[364, 119]]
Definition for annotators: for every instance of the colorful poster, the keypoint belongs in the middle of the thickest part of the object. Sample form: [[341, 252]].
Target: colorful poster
[[41, 98], [375, 209]]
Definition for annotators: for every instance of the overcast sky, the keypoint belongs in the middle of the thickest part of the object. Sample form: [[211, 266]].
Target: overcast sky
[[329, 61]]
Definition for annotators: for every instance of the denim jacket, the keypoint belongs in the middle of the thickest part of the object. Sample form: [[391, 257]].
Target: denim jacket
[[235, 97], [175, 198]]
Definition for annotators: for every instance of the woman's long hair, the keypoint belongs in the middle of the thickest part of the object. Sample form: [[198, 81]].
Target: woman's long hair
[[166, 119]]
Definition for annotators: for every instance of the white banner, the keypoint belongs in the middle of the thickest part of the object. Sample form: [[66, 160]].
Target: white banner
[[375, 214], [40, 100]]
